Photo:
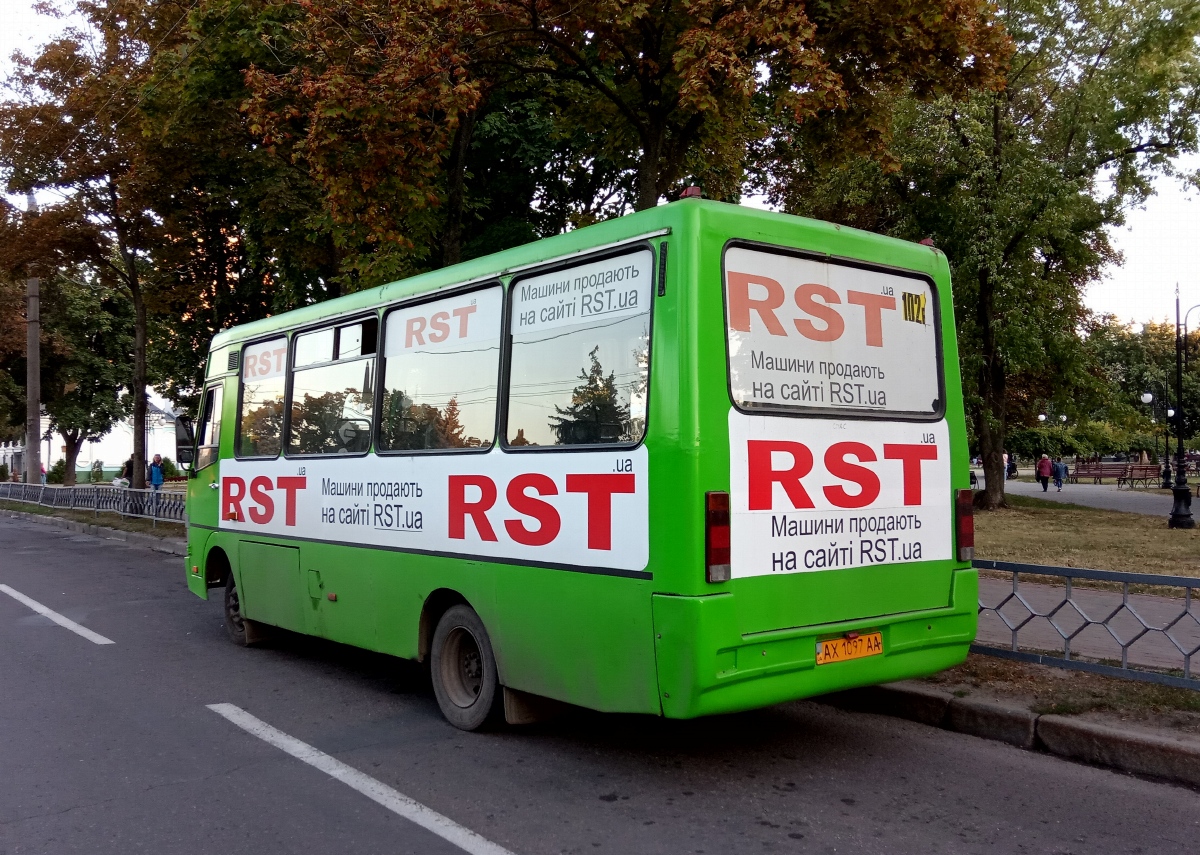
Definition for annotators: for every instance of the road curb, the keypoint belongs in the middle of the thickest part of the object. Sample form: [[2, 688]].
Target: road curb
[[1170, 756], [169, 545]]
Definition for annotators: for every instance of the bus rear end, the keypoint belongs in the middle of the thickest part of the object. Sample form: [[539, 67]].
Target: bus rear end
[[835, 519]]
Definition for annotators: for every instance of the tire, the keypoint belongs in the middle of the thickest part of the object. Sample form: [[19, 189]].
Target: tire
[[242, 631], [463, 669]]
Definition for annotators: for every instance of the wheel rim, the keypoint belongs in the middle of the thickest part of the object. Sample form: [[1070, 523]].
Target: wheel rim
[[233, 610], [462, 667]]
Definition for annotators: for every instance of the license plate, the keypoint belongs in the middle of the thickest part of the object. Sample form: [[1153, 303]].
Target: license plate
[[845, 649]]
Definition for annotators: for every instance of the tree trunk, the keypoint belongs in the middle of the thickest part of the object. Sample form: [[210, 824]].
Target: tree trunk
[[138, 478], [456, 175], [990, 419], [74, 441], [648, 169]]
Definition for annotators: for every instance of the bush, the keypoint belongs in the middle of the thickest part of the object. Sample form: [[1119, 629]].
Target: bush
[[58, 472], [4, 473], [97, 473], [170, 470]]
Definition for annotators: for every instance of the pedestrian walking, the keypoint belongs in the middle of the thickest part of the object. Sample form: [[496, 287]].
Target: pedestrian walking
[[154, 475], [1044, 469], [1060, 473], [1011, 466], [43, 474]]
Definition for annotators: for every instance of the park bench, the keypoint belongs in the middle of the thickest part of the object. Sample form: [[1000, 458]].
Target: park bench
[[1097, 472], [1144, 472]]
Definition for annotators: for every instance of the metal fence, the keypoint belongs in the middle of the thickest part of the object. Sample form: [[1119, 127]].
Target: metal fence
[[153, 505], [1150, 633]]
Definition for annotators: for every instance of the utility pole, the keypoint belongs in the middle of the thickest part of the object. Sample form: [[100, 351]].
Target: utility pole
[[33, 368]]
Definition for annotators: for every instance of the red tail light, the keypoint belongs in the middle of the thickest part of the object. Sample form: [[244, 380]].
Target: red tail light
[[716, 537], [964, 515]]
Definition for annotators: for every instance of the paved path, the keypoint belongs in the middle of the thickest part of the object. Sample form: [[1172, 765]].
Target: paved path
[[1139, 500], [112, 749]]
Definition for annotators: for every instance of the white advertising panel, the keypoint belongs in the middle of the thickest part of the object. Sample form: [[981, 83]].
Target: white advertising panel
[[819, 335], [445, 326], [823, 494], [602, 290], [265, 360], [587, 509]]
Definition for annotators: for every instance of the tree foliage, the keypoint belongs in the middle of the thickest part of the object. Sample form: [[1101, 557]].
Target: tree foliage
[[1018, 187]]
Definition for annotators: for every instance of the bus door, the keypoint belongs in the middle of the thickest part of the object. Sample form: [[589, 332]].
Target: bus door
[[203, 487], [840, 459]]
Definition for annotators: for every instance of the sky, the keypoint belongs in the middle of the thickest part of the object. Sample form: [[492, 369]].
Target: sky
[[1159, 240]]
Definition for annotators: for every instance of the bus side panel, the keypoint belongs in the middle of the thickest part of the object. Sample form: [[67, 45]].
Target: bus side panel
[[578, 637], [339, 591], [403, 583]]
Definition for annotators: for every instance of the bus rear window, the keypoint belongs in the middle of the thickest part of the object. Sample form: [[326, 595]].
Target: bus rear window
[[827, 337]]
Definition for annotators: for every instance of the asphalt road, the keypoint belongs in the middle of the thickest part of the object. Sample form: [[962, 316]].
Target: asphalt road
[[112, 749]]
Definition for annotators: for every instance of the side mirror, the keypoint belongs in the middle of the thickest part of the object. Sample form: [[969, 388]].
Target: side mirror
[[185, 441]]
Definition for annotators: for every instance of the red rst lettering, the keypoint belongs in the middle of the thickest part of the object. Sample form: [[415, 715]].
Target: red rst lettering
[[600, 489], [839, 467], [911, 455], [412, 331], [441, 329], [763, 477], [265, 508], [873, 306], [280, 358], [740, 304], [290, 484], [545, 513], [250, 367], [233, 490], [460, 508], [463, 313], [805, 300]]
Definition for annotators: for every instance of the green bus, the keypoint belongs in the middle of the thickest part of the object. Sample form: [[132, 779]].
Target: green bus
[[698, 459]]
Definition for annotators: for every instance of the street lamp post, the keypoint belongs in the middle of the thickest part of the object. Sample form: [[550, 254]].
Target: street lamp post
[[1181, 510]]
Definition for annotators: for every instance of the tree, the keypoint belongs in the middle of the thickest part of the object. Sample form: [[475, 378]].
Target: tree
[[385, 100], [74, 129], [1018, 186], [91, 330]]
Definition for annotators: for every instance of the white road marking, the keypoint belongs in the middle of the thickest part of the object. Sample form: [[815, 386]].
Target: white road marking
[[64, 622], [444, 827]]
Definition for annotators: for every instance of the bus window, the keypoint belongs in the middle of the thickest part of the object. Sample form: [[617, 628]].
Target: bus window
[[811, 335], [333, 390], [441, 366], [581, 353], [260, 414], [208, 437]]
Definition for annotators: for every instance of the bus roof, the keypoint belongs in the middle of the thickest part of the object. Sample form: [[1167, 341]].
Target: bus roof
[[741, 221]]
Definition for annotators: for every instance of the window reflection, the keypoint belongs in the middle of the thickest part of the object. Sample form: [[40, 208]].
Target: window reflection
[[440, 373], [331, 408]]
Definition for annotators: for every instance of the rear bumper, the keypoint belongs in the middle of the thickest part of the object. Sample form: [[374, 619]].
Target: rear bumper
[[705, 666]]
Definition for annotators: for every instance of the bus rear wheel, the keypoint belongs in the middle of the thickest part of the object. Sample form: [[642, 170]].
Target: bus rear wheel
[[463, 669]]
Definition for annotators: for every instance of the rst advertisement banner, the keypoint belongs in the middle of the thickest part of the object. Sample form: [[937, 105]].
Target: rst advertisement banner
[[587, 509], [817, 335], [823, 494], [604, 290]]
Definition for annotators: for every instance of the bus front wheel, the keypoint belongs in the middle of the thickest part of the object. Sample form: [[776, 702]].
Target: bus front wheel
[[242, 631], [464, 669]]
